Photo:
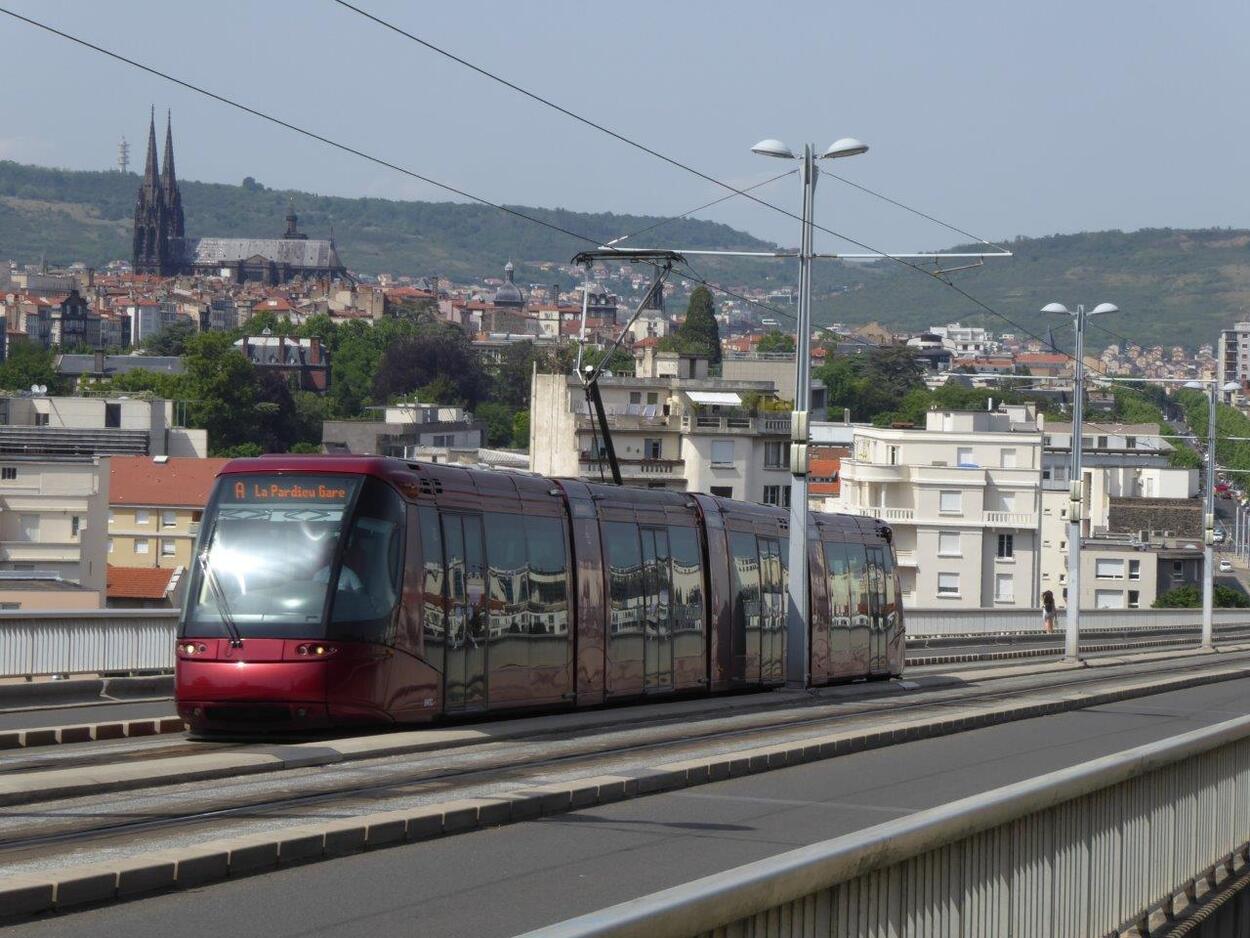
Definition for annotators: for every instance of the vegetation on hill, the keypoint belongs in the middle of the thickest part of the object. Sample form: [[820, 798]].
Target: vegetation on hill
[[1174, 287], [86, 216]]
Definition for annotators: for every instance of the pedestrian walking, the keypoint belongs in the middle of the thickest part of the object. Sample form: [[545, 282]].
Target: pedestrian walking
[[1048, 612]]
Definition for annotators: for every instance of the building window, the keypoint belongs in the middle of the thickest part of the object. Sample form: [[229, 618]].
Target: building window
[[168, 547], [75, 524], [1130, 442], [948, 544], [41, 419], [722, 452], [141, 545], [1178, 569], [8, 473], [772, 495], [948, 584], [1134, 599], [785, 496], [963, 456], [1008, 459], [1046, 473], [724, 491], [169, 519], [777, 455], [9, 607], [635, 397], [651, 449], [1106, 568], [1006, 546], [653, 397], [1102, 444], [950, 503], [141, 516], [1134, 569], [1004, 588], [891, 453], [1108, 599], [110, 545]]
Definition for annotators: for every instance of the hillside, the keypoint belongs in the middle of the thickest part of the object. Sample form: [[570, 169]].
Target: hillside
[[1172, 286], [86, 216]]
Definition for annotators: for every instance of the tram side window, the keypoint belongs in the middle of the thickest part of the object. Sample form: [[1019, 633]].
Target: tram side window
[[839, 593], [508, 584], [368, 583], [625, 577], [548, 590], [746, 570], [891, 599], [687, 580], [857, 570], [434, 621]]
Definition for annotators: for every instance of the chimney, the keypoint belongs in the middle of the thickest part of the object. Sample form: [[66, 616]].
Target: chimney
[[846, 416]]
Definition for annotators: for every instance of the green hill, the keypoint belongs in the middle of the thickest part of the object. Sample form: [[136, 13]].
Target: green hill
[[86, 216], [1174, 287]]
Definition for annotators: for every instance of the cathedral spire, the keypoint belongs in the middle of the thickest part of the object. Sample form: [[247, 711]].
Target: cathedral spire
[[150, 171], [169, 185]]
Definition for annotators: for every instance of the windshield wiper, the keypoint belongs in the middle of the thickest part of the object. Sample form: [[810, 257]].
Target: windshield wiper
[[219, 597]]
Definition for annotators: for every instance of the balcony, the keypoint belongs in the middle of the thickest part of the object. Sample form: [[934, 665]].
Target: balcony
[[628, 421], [635, 470], [777, 424], [1010, 519], [36, 551], [904, 515], [871, 472], [905, 558]]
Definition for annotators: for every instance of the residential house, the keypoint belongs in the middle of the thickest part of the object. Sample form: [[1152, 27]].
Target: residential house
[[155, 507]]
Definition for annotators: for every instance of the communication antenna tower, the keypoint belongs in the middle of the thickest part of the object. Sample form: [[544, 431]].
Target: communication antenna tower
[[123, 156]]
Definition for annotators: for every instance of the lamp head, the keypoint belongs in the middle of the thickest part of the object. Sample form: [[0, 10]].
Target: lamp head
[[847, 146], [1056, 308], [1193, 385], [1232, 386], [1104, 308], [771, 147]]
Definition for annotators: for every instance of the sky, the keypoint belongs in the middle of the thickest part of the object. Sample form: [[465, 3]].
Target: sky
[[1003, 119]]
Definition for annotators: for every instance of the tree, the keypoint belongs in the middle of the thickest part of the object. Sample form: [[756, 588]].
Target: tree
[[29, 364], [432, 354], [171, 340], [1190, 597], [700, 333], [223, 391], [499, 419], [874, 383], [512, 376], [521, 430], [776, 342]]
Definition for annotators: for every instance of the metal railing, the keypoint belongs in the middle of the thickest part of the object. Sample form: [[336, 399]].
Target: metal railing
[[90, 641], [929, 622], [1084, 851]]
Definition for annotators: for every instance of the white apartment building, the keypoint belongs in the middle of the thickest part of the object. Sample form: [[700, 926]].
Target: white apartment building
[[672, 427], [1119, 461], [53, 532], [1232, 358], [965, 341], [963, 496]]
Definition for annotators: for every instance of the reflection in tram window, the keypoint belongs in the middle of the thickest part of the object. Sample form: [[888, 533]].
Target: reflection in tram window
[[658, 648], [368, 582], [687, 580], [860, 604], [772, 611], [746, 600], [433, 617], [625, 576], [548, 593], [508, 591], [839, 584]]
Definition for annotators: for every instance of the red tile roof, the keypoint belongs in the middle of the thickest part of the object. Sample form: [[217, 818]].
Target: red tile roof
[[182, 482], [137, 582]]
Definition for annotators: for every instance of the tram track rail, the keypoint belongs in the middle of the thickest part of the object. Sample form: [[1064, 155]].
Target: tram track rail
[[23, 844]]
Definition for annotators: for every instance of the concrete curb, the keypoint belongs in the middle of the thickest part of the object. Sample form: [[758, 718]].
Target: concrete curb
[[231, 858], [88, 732], [80, 691]]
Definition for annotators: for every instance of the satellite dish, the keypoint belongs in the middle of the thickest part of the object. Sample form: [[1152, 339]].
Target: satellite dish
[[34, 389], [43, 389]]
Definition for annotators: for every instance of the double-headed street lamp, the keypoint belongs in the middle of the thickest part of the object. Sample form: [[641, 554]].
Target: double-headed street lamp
[[1208, 511], [798, 663], [1072, 613]]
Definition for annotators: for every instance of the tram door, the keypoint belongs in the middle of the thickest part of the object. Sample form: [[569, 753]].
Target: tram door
[[465, 667], [878, 661], [658, 628]]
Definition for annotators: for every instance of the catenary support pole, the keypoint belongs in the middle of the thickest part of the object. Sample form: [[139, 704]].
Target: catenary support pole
[[1072, 612], [1208, 526]]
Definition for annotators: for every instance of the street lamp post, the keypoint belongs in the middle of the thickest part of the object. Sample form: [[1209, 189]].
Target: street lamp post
[[1072, 609], [798, 659], [1208, 516]]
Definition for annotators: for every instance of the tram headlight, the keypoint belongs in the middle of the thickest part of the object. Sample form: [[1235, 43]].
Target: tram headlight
[[315, 650]]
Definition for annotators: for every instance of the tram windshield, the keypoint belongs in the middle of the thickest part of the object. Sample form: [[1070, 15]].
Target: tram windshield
[[276, 555]]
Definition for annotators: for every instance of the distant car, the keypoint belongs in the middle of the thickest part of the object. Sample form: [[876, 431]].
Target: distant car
[[1219, 536], [1226, 566]]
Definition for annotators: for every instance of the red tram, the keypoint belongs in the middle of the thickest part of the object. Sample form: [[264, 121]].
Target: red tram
[[335, 590]]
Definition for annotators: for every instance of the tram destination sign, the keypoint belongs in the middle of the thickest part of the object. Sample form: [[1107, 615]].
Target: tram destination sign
[[280, 489]]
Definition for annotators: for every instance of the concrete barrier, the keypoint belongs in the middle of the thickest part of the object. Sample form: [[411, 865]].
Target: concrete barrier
[[96, 641]]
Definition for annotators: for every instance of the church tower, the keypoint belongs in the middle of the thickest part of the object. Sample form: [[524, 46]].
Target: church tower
[[169, 187], [159, 227]]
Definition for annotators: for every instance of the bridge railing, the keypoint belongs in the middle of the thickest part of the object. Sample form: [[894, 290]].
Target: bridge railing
[[87, 641], [1088, 850], [929, 622]]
